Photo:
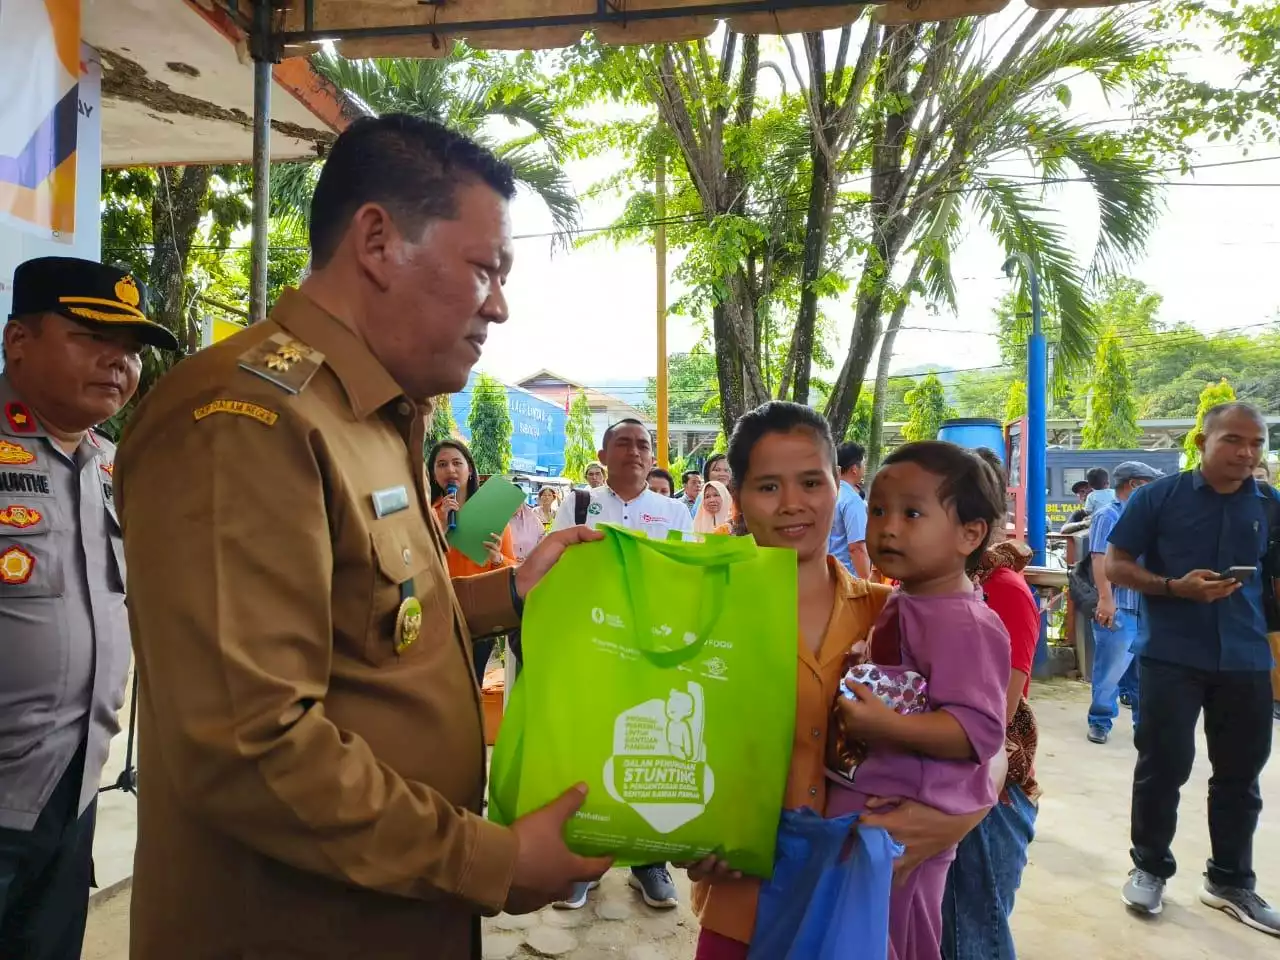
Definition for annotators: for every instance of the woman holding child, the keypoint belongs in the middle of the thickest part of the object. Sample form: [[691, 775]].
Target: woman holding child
[[934, 525]]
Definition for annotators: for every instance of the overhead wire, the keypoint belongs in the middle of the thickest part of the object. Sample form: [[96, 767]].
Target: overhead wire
[[762, 204]]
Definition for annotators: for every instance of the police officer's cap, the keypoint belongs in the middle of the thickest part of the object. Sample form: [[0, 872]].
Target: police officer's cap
[[87, 292]]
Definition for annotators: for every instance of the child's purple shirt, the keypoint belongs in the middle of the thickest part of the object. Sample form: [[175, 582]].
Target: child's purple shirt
[[962, 649]]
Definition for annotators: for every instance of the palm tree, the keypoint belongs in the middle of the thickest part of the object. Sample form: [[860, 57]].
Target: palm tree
[[991, 100], [469, 90]]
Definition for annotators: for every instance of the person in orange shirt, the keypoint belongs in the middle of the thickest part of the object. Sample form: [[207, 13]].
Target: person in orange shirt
[[783, 463], [451, 465]]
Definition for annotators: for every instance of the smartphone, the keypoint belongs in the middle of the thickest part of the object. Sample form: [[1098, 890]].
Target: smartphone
[[1239, 574]]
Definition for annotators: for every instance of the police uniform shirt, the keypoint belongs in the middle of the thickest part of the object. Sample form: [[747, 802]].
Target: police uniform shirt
[[651, 513], [64, 640]]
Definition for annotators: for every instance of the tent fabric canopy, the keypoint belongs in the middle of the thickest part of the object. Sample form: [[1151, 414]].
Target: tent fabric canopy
[[411, 28]]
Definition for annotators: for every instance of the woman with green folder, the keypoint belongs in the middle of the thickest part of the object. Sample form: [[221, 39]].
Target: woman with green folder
[[451, 468]]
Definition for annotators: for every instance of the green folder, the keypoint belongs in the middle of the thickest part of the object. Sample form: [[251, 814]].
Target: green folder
[[487, 512]]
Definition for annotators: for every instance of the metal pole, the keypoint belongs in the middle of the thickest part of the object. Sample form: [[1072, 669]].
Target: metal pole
[[1037, 439], [262, 61], [660, 255]]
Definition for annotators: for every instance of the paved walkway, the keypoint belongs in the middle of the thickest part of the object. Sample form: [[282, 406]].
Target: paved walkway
[[1069, 906]]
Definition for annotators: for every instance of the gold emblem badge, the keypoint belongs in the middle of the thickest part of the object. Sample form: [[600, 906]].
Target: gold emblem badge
[[127, 291], [20, 517], [15, 453], [408, 623], [16, 566]]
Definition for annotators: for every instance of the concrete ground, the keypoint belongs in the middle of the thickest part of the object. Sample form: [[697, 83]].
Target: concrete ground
[[1069, 905]]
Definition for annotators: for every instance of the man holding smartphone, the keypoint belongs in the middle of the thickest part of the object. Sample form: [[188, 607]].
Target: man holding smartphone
[[1115, 627], [1203, 536]]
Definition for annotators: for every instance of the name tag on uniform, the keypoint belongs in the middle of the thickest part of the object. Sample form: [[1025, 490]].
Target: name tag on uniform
[[389, 501]]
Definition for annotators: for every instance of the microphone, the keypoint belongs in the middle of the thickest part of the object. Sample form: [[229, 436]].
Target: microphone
[[451, 518]]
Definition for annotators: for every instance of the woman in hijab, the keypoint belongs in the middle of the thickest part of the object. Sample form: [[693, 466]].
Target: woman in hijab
[[714, 514]]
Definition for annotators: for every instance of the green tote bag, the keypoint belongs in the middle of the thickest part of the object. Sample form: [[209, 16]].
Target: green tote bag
[[661, 673]]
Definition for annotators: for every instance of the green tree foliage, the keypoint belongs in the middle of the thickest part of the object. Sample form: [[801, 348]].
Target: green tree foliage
[[490, 423], [1112, 423], [1210, 397], [981, 393], [953, 99], [474, 91], [288, 256], [442, 425], [860, 425], [579, 439], [1169, 365], [1015, 403], [692, 394], [887, 148], [928, 408], [172, 228]]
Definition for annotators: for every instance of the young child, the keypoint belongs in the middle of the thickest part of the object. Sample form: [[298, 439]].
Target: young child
[[923, 716]]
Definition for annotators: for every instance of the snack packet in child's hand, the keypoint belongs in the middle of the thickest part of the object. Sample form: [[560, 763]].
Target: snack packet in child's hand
[[904, 690]]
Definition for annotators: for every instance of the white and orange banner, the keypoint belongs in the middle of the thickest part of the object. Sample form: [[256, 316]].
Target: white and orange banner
[[39, 114]]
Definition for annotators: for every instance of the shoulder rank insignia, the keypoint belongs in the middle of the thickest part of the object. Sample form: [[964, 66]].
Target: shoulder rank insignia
[[19, 418], [288, 363]]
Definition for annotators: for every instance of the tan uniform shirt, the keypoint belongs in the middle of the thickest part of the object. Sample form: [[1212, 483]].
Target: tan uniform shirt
[[307, 789]]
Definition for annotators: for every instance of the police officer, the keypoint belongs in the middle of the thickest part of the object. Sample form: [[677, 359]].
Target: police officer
[[312, 749], [72, 355]]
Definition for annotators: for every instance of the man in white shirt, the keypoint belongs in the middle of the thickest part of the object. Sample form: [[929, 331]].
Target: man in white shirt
[[627, 501]]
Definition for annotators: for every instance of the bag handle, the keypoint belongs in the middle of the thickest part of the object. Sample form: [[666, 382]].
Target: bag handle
[[715, 564], [712, 550]]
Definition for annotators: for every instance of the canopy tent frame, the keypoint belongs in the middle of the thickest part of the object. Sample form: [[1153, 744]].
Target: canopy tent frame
[[266, 46]]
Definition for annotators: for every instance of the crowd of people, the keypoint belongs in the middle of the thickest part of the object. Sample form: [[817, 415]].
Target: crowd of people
[[309, 644]]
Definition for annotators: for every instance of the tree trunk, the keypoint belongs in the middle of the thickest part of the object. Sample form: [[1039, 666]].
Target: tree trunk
[[728, 371], [892, 219], [175, 217], [875, 438], [817, 227]]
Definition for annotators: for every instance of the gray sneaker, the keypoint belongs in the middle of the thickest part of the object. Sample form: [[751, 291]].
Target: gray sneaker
[[1143, 893], [654, 884], [1245, 905], [1097, 734], [578, 899]]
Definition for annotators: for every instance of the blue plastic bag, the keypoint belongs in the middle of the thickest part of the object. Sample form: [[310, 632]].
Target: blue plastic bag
[[829, 896]]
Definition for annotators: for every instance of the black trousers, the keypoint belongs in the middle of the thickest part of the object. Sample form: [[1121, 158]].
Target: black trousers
[[45, 875], [1237, 727]]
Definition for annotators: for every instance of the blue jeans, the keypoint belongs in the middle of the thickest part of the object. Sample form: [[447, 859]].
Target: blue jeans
[[983, 880], [1112, 655], [1129, 682]]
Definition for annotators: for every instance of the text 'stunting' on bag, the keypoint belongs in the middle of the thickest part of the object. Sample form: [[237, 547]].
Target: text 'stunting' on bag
[[659, 763]]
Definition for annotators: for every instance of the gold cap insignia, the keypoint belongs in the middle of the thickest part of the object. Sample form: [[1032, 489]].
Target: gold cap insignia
[[127, 291], [408, 623]]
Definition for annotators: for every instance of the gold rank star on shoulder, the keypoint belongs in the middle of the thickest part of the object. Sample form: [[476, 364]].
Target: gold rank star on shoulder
[[285, 356], [284, 361]]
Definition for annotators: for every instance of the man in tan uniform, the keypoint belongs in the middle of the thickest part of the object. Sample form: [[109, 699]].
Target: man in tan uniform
[[312, 757]]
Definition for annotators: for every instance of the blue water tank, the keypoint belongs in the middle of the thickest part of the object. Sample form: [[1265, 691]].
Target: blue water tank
[[974, 432]]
